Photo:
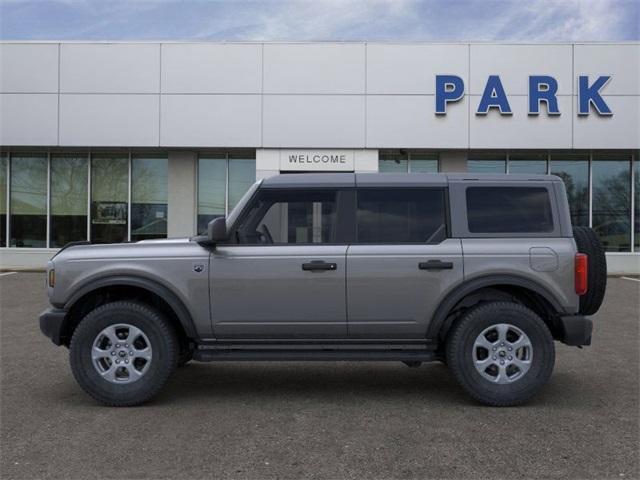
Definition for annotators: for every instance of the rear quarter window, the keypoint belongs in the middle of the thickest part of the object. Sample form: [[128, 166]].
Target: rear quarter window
[[509, 210]]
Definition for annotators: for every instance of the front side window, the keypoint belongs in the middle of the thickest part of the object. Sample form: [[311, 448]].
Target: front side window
[[282, 217], [509, 210], [401, 216], [28, 201]]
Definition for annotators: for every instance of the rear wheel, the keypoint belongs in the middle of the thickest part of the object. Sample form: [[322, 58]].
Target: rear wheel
[[122, 353], [501, 353], [587, 242]]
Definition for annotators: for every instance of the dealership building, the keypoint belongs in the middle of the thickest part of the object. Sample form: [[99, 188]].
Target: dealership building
[[116, 142]]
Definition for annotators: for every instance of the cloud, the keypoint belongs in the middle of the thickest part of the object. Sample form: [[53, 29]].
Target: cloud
[[330, 20]]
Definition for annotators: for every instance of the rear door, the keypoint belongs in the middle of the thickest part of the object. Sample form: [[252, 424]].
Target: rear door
[[402, 261]]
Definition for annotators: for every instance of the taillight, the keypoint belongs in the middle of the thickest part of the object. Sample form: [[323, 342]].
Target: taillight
[[581, 273]]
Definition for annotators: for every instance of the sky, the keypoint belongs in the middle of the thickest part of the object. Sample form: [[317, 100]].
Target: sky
[[321, 20]]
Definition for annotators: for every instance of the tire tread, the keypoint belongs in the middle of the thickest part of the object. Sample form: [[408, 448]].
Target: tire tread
[[166, 330], [454, 342]]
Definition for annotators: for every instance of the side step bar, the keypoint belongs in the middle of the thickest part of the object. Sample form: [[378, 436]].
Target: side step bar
[[324, 354]]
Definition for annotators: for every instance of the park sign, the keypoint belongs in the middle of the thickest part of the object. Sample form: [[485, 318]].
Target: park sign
[[542, 90]]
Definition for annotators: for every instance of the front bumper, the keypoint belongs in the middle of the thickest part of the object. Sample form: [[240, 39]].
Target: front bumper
[[52, 324], [576, 330]]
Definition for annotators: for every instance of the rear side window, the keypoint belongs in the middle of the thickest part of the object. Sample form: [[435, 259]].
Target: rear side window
[[401, 216], [509, 210]]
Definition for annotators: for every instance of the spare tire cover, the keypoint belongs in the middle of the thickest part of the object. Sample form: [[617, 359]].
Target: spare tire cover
[[587, 242]]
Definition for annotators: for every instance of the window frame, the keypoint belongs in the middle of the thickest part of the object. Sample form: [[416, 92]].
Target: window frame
[[447, 214]]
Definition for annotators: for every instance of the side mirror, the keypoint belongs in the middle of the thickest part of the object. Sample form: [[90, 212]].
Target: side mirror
[[217, 230]]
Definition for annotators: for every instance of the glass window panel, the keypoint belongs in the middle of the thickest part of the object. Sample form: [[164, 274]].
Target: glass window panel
[[28, 201], [109, 196], [212, 172], [149, 195], [423, 163], [3, 199], [401, 216], [612, 202], [528, 162], [509, 210], [68, 199], [636, 188], [487, 162], [573, 169], [486, 166], [393, 162], [242, 174], [286, 217]]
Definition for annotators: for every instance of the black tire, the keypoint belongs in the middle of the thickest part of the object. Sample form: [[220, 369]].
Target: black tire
[[460, 351], [160, 334], [587, 242]]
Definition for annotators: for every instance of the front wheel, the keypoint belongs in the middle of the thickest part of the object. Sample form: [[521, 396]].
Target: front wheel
[[122, 353], [501, 353]]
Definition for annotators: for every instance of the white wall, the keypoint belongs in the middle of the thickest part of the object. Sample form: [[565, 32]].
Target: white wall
[[315, 95]]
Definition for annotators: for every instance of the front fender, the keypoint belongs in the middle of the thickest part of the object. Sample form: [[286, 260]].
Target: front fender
[[173, 300]]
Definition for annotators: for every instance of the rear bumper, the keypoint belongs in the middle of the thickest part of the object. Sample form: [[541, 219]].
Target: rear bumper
[[52, 323], [576, 330]]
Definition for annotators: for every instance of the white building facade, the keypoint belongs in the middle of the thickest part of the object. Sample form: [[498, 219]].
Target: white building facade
[[112, 142]]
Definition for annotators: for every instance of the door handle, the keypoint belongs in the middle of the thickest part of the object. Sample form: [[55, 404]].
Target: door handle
[[318, 266], [435, 265]]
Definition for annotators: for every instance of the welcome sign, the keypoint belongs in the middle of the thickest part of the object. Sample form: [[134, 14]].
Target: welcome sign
[[317, 160]]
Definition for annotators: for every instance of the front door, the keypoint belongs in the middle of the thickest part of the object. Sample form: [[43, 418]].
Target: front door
[[283, 275], [401, 264]]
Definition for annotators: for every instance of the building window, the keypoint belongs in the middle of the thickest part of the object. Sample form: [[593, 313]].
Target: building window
[[400, 161], [28, 202], [4, 165], [109, 197], [242, 174], [528, 162], [611, 214], [222, 181], [487, 162], [573, 169], [636, 201], [68, 208], [149, 195]]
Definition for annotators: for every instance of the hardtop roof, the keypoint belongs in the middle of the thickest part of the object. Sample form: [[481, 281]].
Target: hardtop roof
[[345, 180]]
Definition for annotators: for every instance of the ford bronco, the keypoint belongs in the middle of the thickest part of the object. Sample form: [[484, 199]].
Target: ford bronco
[[480, 272]]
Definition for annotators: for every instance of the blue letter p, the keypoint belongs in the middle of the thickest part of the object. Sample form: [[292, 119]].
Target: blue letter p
[[449, 88]]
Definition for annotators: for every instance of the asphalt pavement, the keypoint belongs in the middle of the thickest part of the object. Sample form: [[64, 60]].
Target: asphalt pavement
[[319, 420]]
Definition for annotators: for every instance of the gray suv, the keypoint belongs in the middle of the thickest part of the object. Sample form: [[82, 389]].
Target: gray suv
[[480, 272]]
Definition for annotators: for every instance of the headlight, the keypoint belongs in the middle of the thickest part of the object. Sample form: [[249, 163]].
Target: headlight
[[52, 278]]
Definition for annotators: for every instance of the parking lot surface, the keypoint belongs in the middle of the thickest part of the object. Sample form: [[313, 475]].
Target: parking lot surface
[[319, 420]]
